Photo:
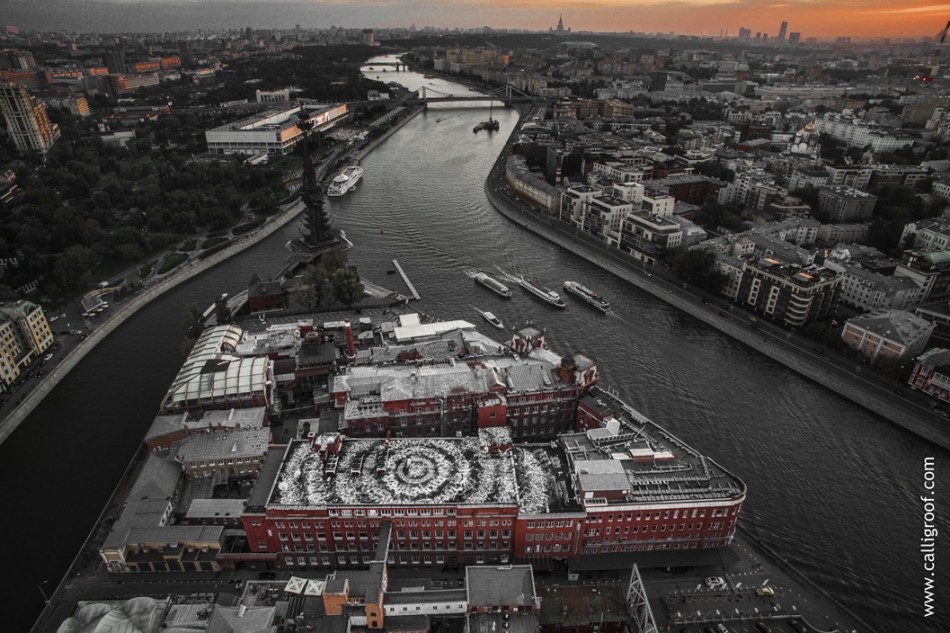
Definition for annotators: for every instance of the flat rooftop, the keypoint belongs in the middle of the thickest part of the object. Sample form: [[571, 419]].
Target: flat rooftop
[[640, 462], [497, 586], [453, 471], [234, 444], [398, 471]]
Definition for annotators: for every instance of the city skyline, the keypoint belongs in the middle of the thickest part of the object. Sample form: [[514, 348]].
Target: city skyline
[[863, 19]]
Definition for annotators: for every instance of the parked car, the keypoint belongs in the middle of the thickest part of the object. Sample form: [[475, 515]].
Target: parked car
[[764, 592], [762, 627]]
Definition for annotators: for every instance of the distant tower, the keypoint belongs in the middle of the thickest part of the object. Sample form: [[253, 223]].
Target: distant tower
[[186, 52], [781, 33], [115, 61], [560, 25]]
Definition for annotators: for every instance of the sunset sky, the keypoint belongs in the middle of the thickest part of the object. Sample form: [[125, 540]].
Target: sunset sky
[[818, 18]]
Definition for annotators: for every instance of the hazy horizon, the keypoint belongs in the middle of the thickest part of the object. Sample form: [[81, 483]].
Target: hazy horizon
[[864, 18]]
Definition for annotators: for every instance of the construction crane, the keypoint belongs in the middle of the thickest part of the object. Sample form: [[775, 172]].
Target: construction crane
[[928, 77]]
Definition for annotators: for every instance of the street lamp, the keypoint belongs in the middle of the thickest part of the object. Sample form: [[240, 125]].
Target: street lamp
[[43, 593]]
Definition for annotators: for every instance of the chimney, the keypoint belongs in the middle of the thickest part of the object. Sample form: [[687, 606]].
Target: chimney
[[350, 348], [566, 370]]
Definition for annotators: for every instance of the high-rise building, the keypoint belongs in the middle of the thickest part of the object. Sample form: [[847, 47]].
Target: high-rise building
[[781, 33], [27, 123], [186, 51], [794, 38], [115, 61], [17, 60], [745, 34]]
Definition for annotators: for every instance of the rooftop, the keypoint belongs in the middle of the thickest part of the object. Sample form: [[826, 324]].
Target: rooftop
[[233, 418], [235, 444], [936, 357], [212, 371], [378, 384], [215, 509], [579, 606], [632, 459], [843, 191], [149, 498], [801, 275], [437, 471], [511, 585], [277, 118], [900, 326]]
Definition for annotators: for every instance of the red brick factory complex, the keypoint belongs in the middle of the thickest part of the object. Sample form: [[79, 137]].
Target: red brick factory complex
[[428, 441]]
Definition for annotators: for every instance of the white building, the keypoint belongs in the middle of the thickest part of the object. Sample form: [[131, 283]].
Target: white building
[[867, 290], [273, 96], [927, 235]]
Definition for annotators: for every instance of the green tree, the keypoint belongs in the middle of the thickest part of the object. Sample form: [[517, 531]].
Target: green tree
[[346, 287], [332, 260], [194, 322], [698, 267], [74, 266], [7, 293], [316, 286]]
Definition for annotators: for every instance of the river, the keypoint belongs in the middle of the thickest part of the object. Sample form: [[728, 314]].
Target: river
[[832, 487]]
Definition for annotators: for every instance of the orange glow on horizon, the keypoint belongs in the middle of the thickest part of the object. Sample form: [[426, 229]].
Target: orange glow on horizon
[[811, 18]]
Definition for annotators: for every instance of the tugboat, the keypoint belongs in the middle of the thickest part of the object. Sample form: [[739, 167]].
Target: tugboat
[[543, 293], [491, 124], [492, 284], [587, 295], [491, 318]]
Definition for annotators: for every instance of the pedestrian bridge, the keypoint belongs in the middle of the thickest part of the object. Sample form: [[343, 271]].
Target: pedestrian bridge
[[507, 94], [398, 65]]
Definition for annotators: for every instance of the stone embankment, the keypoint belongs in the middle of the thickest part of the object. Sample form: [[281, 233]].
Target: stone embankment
[[136, 303], [859, 385]]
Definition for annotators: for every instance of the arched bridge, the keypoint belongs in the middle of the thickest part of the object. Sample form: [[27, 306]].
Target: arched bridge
[[507, 94]]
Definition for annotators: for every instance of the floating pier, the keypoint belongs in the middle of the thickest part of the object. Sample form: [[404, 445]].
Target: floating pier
[[405, 278]]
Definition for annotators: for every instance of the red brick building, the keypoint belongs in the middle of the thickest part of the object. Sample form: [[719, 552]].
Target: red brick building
[[526, 387], [328, 501]]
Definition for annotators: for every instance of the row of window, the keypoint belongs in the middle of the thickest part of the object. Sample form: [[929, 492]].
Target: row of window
[[551, 523], [550, 536], [222, 462], [306, 525], [647, 516], [402, 559], [490, 523], [595, 533]]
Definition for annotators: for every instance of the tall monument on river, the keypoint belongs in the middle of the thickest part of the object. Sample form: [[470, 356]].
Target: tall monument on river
[[317, 232]]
